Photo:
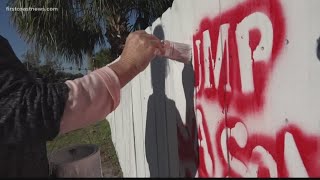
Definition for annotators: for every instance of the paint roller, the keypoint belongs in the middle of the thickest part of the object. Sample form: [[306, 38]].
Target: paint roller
[[177, 51]]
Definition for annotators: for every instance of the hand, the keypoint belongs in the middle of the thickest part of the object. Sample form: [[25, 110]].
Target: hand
[[140, 48]]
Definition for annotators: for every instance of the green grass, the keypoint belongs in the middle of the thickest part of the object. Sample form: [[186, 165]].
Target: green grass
[[99, 134]]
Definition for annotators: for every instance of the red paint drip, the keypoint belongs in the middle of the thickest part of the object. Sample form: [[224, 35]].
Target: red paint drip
[[254, 39]]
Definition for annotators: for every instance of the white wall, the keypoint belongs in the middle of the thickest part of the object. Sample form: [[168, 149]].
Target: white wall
[[254, 94]]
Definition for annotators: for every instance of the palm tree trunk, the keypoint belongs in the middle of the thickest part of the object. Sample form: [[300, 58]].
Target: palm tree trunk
[[117, 32]]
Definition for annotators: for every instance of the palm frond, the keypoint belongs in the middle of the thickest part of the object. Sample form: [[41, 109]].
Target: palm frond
[[67, 32]]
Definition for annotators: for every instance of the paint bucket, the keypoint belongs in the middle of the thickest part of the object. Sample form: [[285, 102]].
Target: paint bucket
[[76, 161]]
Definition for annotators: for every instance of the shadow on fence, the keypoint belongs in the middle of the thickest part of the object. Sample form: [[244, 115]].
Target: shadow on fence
[[171, 145]]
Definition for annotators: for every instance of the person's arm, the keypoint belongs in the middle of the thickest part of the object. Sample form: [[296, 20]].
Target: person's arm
[[124, 71], [93, 97], [37, 111]]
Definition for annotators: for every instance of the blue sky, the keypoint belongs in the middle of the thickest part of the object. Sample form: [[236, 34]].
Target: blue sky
[[8, 31]]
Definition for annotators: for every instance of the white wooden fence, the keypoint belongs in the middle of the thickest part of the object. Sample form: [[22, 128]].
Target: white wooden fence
[[254, 93]]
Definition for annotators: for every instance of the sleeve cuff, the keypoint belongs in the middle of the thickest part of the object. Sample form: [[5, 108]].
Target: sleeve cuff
[[112, 83]]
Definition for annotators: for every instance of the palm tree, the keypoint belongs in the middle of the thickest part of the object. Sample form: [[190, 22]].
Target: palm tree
[[63, 32], [118, 12], [79, 26]]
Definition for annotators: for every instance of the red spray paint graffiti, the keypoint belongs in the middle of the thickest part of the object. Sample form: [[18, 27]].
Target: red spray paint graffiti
[[233, 59], [241, 101], [275, 146]]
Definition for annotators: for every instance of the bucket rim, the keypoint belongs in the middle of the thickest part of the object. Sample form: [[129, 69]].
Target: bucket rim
[[95, 147]]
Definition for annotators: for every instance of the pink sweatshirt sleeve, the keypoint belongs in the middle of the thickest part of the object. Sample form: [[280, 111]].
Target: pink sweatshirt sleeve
[[91, 98]]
